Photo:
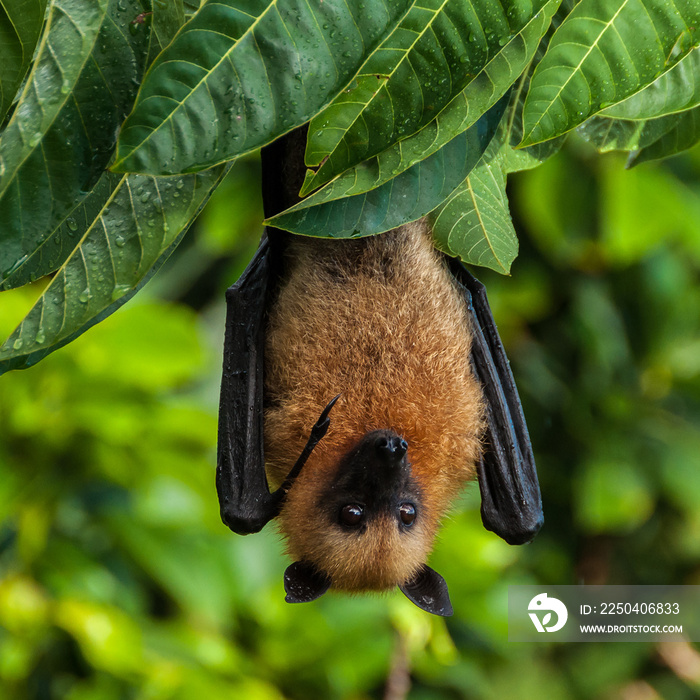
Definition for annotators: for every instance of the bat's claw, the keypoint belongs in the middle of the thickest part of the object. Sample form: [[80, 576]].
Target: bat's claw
[[321, 427], [323, 418]]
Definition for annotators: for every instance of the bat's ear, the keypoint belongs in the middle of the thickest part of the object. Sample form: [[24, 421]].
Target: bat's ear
[[304, 583], [428, 590]]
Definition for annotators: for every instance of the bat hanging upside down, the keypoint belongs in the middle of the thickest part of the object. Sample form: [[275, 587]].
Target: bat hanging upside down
[[365, 381]]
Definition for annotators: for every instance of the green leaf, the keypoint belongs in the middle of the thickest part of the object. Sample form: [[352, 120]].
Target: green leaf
[[608, 134], [684, 135], [337, 211], [63, 131], [191, 6], [418, 76], [55, 248], [474, 223], [511, 131], [603, 52], [53, 251], [676, 90], [20, 26], [481, 94], [168, 18], [241, 73], [133, 234]]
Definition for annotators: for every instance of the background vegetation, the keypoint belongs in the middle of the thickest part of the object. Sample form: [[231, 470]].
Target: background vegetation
[[118, 580]]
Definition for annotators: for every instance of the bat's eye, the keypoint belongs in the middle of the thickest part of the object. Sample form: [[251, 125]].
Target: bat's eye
[[407, 513], [351, 514]]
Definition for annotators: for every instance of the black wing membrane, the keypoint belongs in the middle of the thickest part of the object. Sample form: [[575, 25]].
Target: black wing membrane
[[511, 505], [244, 496], [241, 481]]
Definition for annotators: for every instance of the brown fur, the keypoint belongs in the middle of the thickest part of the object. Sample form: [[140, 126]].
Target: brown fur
[[380, 321]]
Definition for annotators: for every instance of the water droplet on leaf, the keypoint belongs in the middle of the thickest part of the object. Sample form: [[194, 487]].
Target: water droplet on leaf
[[119, 291], [15, 267]]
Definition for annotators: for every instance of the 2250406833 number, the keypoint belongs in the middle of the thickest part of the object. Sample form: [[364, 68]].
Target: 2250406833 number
[[640, 608]]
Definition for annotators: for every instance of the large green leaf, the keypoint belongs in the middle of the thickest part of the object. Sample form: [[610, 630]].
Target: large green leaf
[[676, 90], [481, 94], [603, 52], [474, 223], [513, 159], [53, 251], [684, 135], [20, 26], [241, 73], [337, 211], [608, 134], [62, 133], [129, 238], [420, 69]]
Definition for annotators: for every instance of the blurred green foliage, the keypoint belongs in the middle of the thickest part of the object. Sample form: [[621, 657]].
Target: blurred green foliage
[[118, 580]]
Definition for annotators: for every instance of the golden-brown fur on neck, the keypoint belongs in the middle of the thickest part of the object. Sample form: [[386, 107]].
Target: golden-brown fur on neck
[[380, 321]]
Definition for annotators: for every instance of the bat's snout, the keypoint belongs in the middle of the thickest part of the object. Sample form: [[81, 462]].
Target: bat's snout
[[390, 449]]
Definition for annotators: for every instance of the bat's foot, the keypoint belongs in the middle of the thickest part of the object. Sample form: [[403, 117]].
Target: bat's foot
[[317, 434]]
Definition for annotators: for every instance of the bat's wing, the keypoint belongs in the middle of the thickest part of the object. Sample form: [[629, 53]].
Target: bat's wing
[[511, 505], [245, 499]]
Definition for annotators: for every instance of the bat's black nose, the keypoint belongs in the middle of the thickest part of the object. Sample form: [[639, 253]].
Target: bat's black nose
[[391, 449]]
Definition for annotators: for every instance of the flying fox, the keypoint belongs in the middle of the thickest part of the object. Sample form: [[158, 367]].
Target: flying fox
[[364, 385]]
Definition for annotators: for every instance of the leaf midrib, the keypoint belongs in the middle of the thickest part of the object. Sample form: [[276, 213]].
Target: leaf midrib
[[387, 76], [224, 56], [574, 71], [483, 226]]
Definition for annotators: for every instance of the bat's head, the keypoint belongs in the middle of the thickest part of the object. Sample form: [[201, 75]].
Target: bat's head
[[367, 527]]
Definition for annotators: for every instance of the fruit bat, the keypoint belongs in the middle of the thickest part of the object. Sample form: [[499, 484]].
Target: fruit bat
[[365, 382]]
